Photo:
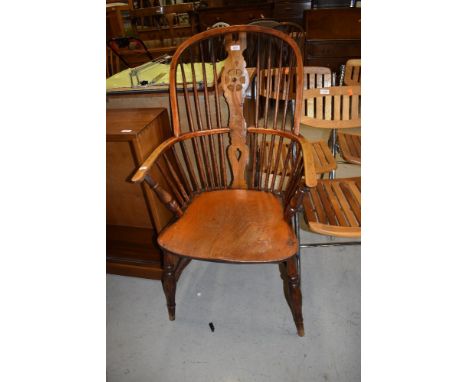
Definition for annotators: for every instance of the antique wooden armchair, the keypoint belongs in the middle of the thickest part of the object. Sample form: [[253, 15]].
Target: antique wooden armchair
[[233, 188], [162, 28], [295, 31], [112, 63]]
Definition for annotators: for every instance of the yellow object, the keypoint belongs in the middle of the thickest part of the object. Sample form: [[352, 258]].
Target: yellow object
[[160, 73]]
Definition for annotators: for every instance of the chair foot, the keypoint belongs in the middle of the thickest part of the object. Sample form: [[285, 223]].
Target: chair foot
[[169, 284], [300, 329], [171, 310]]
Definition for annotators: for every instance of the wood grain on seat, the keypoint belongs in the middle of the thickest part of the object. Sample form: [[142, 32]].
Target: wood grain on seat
[[334, 207], [232, 226]]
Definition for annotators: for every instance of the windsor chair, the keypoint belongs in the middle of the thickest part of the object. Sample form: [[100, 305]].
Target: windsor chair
[[112, 63], [268, 23], [163, 28], [295, 31], [121, 46], [226, 207]]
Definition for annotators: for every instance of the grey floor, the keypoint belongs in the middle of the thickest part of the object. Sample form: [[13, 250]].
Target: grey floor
[[254, 338]]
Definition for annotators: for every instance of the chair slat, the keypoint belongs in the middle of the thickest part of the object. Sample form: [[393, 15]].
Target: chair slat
[[352, 72], [319, 108], [335, 205], [354, 203], [344, 204], [318, 207], [324, 197], [357, 143], [355, 99], [328, 107], [346, 105], [337, 107]]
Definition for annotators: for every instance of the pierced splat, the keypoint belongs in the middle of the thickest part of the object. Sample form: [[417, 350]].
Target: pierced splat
[[235, 81]]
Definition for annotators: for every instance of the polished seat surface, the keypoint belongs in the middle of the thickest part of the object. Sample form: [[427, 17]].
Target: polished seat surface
[[232, 225]]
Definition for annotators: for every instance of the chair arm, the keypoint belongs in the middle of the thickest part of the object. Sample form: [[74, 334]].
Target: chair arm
[[148, 163], [310, 174], [142, 175]]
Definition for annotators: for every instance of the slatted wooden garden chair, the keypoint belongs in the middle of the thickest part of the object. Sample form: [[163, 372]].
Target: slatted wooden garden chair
[[333, 207], [233, 187], [352, 74], [337, 107], [350, 144]]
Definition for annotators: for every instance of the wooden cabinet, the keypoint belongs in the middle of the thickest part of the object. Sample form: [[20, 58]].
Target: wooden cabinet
[[115, 21], [234, 14], [291, 10], [331, 54], [332, 36], [244, 12], [134, 214]]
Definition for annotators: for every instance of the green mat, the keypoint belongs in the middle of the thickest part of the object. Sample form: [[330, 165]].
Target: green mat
[[160, 74]]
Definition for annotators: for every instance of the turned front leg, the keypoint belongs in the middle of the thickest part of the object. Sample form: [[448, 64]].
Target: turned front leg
[[295, 295], [169, 283]]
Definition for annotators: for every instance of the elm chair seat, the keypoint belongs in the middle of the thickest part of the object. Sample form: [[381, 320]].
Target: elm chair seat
[[254, 231]]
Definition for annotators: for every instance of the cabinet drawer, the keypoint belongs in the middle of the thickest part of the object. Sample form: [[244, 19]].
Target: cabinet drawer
[[333, 48]]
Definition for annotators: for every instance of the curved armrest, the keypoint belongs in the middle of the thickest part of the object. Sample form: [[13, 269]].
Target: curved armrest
[[148, 163]]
